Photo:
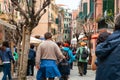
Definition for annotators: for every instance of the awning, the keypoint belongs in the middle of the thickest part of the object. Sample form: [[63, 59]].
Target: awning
[[94, 36], [35, 40], [74, 41], [81, 36], [2, 22]]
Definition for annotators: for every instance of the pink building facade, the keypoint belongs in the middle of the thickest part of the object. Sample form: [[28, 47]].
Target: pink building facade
[[98, 8], [74, 21], [117, 7]]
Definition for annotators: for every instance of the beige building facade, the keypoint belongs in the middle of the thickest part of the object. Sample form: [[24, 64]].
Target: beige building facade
[[48, 21], [98, 8]]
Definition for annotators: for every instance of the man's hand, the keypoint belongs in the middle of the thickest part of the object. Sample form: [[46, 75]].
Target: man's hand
[[13, 61], [37, 67]]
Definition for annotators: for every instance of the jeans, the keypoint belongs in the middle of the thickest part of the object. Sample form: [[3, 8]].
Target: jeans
[[7, 71]]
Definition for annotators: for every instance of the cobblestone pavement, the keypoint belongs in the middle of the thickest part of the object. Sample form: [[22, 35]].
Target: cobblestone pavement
[[73, 76]]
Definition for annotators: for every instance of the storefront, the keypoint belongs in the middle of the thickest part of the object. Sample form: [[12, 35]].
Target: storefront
[[4, 24]]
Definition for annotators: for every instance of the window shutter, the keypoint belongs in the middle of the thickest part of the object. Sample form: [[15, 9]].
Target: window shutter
[[91, 5], [85, 9]]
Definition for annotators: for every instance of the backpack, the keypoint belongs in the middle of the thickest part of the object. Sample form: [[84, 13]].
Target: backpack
[[64, 67], [65, 53], [84, 54]]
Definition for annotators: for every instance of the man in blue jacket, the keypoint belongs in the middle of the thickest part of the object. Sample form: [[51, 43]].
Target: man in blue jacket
[[108, 54], [6, 59], [31, 60]]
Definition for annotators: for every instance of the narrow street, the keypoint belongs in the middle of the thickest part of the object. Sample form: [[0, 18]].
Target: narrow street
[[74, 75]]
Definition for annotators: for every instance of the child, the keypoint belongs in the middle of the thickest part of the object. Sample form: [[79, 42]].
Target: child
[[64, 68]]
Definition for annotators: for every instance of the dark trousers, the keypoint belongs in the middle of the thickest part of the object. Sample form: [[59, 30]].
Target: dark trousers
[[85, 68], [65, 77], [82, 67], [7, 71], [71, 65], [30, 67]]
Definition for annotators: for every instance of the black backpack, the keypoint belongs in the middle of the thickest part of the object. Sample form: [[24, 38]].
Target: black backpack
[[65, 53], [84, 54], [64, 67]]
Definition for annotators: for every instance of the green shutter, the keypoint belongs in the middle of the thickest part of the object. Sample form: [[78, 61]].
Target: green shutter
[[91, 5], [105, 5], [85, 9], [111, 6], [108, 5], [57, 20], [80, 15]]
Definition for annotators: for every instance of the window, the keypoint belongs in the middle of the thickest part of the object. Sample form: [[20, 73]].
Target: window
[[108, 5]]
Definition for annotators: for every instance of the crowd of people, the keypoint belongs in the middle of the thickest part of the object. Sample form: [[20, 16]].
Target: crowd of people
[[52, 59], [55, 59]]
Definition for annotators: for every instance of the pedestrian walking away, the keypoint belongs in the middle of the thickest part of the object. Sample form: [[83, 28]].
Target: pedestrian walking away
[[64, 68], [63, 65], [47, 54], [6, 59], [66, 48], [81, 56], [31, 61]]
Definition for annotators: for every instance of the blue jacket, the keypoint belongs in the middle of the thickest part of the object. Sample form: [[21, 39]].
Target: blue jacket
[[7, 55], [70, 54], [108, 54], [32, 54]]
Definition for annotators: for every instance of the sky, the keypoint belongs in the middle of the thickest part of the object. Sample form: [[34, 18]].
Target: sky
[[72, 4]]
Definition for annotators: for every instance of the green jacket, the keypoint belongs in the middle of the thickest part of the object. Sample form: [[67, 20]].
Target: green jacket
[[15, 56], [78, 53]]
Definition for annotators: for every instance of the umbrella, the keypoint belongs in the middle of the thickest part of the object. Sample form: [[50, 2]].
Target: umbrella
[[35, 40]]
